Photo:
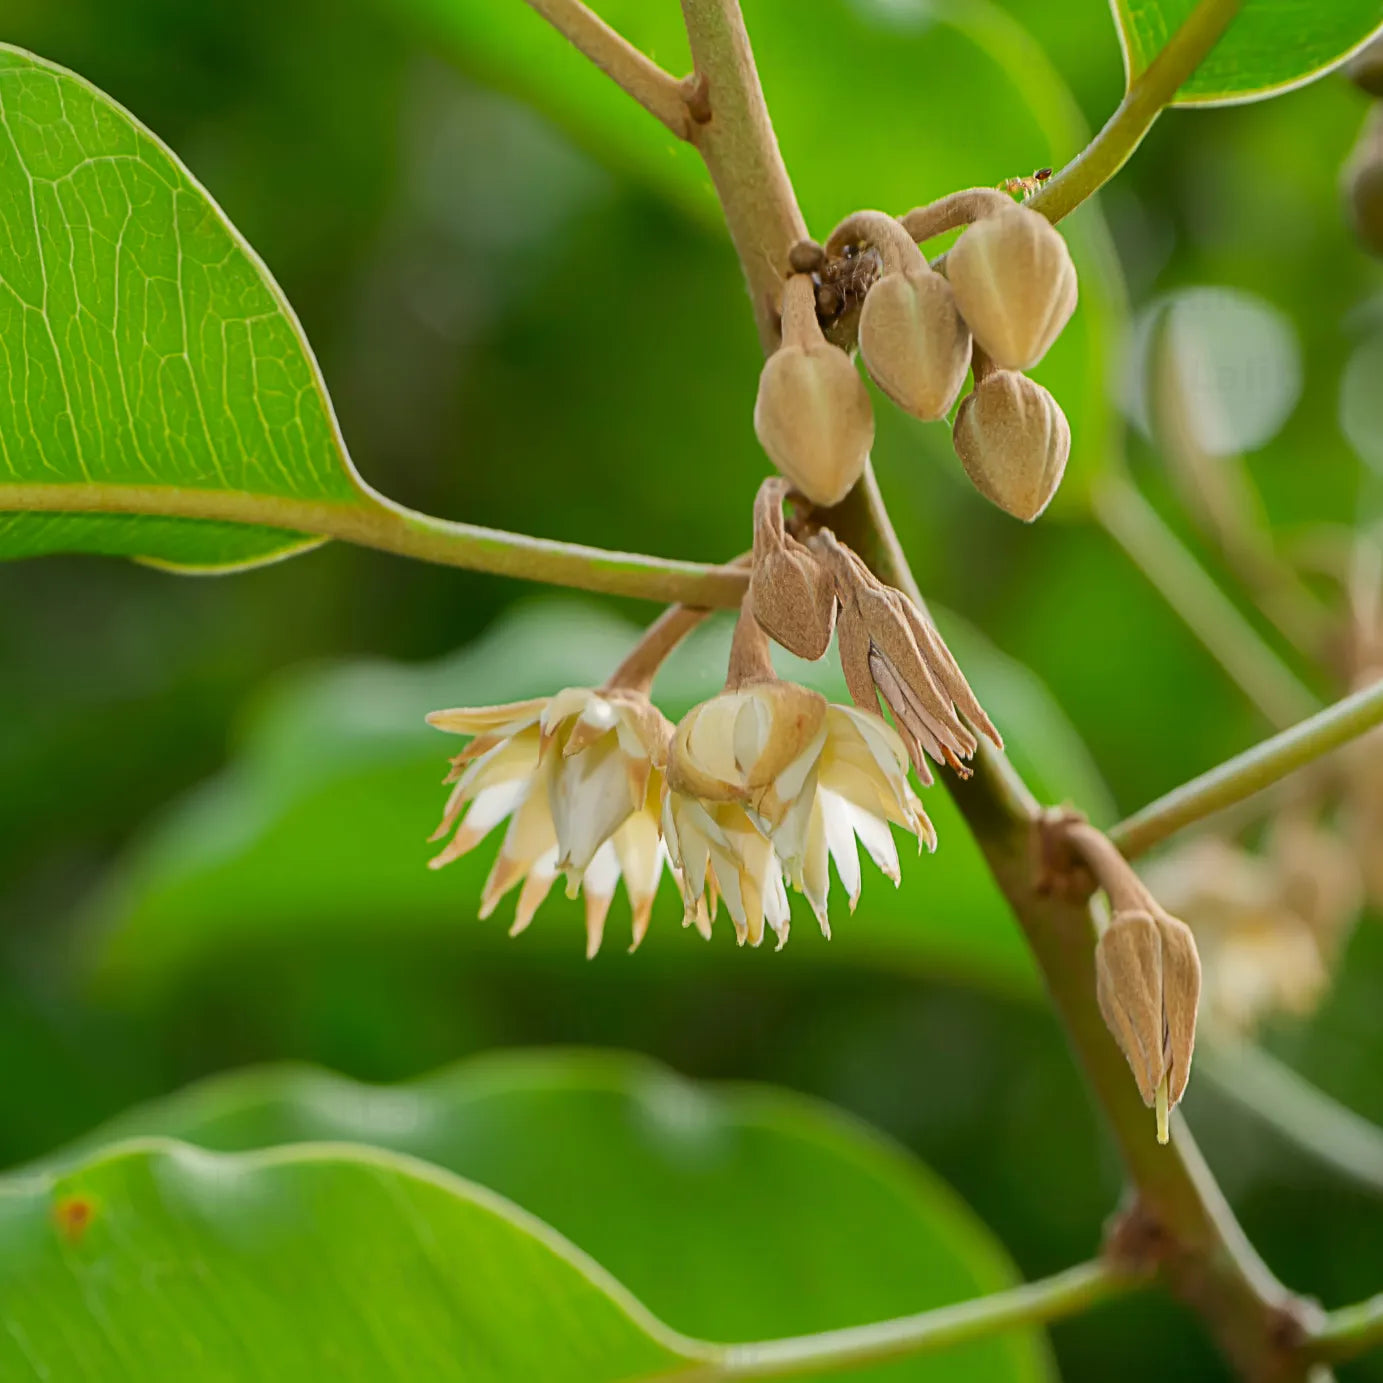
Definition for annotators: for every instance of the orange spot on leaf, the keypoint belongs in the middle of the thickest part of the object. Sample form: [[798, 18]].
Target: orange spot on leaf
[[73, 1216]]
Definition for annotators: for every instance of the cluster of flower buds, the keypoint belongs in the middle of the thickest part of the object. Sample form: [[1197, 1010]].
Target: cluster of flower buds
[[1363, 171], [757, 790], [1008, 289], [1147, 970]]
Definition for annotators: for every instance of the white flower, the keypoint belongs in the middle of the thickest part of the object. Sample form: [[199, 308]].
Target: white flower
[[718, 852], [855, 787], [578, 778], [769, 779]]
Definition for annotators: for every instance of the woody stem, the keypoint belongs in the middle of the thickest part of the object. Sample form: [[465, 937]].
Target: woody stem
[[1207, 1258]]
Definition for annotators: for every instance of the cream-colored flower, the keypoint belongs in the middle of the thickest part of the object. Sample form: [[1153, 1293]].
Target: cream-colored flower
[[718, 852], [578, 778], [857, 786], [770, 779]]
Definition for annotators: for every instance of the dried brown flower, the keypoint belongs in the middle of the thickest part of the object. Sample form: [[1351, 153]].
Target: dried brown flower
[[888, 647], [792, 593]]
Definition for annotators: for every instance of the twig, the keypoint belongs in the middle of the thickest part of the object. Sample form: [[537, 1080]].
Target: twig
[[1075, 1290], [1302, 1114], [741, 153], [1349, 1332], [374, 521], [657, 91], [1231, 640], [1148, 95], [1251, 771]]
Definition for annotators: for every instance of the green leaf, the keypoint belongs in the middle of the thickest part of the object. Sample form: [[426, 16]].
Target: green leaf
[[1272, 45], [318, 827], [733, 1213], [151, 368], [898, 144], [156, 1261]]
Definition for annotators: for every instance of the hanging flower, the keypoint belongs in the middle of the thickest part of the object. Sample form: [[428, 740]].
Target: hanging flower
[[767, 778], [889, 648], [578, 778]]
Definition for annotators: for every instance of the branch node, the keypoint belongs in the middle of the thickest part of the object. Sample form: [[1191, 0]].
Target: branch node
[[1058, 870], [696, 94], [1135, 1240]]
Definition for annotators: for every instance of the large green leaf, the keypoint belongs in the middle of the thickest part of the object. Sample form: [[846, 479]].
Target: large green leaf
[[733, 1213], [154, 1260], [319, 825], [1271, 46], [899, 143], [150, 368]]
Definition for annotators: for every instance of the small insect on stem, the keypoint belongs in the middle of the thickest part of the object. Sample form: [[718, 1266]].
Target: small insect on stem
[[1028, 185]]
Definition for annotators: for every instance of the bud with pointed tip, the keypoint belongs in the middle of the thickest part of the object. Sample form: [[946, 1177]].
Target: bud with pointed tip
[[792, 593], [812, 414], [914, 342], [1015, 284], [1013, 440], [1147, 981]]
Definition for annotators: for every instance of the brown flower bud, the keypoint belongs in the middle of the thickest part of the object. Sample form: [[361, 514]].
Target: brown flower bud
[[1015, 284], [1013, 440], [1363, 184], [888, 647], [914, 342], [793, 595], [812, 414], [1147, 981]]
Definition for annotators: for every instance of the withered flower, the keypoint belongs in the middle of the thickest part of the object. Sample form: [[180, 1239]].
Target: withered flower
[[578, 778], [889, 648], [793, 594]]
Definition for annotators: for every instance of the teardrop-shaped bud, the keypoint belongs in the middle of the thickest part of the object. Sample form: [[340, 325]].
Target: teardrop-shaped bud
[[1013, 440], [813, 414], [1015, 284], [814, 420], [1363, 185], [914, 342]]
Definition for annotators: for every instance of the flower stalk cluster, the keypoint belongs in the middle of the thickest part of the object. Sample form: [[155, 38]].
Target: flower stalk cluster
[[1008, 289], [755, 792]]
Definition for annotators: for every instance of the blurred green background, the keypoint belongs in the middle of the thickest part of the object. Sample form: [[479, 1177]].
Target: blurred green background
[[212, 825]]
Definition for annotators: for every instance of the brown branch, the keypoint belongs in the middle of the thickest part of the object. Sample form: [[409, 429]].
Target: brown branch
[[657, 91], [736, 140], [1185, 1225]]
